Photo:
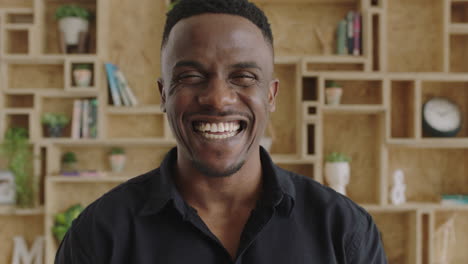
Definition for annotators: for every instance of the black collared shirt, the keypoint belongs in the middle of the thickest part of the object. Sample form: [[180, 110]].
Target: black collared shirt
[[297, 220]]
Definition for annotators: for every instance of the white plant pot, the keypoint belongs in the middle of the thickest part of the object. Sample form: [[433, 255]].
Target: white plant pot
[[71, 28], [82, 77], [333, 95], [117, 162], [337, 175]]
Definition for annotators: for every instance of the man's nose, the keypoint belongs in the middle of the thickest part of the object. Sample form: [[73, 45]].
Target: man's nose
[[218, 94]]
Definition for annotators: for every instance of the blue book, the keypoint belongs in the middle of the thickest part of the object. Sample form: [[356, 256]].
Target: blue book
[[113, 85]]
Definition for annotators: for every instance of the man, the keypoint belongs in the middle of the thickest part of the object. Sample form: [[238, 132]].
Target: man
[[217, 197]]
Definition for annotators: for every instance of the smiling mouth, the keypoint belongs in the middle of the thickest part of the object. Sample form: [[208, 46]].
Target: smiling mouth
[[219, 130]]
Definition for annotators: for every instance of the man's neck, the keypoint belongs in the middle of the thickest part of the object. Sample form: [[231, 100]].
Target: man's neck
[[238, 191]]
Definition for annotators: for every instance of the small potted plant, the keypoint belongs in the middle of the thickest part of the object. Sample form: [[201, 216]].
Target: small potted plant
[[55, 122], [117, 159], [82, 74], [333, 93], [63, 221], [73, 20], [69, 163], [337, 171]]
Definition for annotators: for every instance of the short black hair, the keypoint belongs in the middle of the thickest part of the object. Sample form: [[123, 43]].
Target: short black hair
[[244, 8]]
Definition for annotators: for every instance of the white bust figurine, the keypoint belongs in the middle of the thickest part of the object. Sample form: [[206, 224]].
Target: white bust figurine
[[397, 193]]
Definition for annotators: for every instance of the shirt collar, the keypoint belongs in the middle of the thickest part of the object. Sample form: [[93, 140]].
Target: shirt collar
[[278, 190]]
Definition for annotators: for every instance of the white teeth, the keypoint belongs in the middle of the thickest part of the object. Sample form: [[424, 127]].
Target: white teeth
[[223, 136], [218, 127]]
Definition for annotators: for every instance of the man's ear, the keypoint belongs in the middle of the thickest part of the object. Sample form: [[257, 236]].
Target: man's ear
[[162, 93], [272, 92]]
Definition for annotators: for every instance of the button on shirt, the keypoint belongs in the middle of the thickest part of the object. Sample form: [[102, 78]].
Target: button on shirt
[[296, 220]]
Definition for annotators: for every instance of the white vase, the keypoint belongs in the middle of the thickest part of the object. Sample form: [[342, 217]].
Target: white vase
[[71, 28], [337, 175], [333, 95], [82, 77], [117, 162]]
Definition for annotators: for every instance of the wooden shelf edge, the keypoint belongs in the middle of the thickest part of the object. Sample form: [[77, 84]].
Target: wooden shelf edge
[[364, 109], [87, 179], [430, 142], [7, 210], [107, 142], [414, 207], [144, 109]]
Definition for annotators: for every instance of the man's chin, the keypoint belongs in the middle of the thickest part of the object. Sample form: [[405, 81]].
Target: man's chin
[[213, 172]]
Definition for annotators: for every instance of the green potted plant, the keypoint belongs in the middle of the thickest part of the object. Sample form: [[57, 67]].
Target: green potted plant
[[333, 93], [55, 122], [64, 220], [20, 158], [117, 159], [82, 74], [69, 163], [72, 20], [337, 171]]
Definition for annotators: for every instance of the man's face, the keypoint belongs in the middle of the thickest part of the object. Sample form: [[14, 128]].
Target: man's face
[[217, 90]]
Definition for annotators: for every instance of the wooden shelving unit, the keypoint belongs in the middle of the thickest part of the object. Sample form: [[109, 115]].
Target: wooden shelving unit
[[378, 123]]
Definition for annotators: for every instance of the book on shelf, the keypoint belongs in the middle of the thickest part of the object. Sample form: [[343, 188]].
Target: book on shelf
[[349, 35], [357, 34], [114, 89], [121, 93], [85, 118], [350, 31], [454, 199]]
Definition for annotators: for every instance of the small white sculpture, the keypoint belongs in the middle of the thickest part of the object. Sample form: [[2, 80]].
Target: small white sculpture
[[445, 241], [7, 187], [337, 175], [397, 194], [21, 255]]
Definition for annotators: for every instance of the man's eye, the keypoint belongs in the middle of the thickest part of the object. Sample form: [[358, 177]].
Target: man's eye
[[243, 79], [190, 78]]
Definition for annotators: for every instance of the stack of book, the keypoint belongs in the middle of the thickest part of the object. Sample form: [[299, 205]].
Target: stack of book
[[120, 91], [454, 199], [84, 120], [349, 35]]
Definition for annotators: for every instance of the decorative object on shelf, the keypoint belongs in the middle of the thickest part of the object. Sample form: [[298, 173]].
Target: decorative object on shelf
[[349, 35], [55, 122], [7, 187], [82, 74], [341, 46], [117, 159], [454, 199], [333, 93], [325, 37], [73, 27], [441, 117], [16, 148], [445, 241], [337, 171], [69, 164], [64, 220], [120, 91], [397, 193], [21, 255], [85, 119]]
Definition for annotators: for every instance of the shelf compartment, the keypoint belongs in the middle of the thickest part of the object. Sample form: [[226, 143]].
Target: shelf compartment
[[455, 91], [459, 12], [360, 137], [398, 231], [96, 158], [360, 92], [28, 226], [310, 89], [70, 82], [285, 141], [402, 109], [419, 51], [290, 23], [149, 126], [457, 247], [60, 104], [302, 169], [429, 173], [459, 53], [16, 41], [25, 17], [19, 101], [18, 121], [51, 43], [39, 76]]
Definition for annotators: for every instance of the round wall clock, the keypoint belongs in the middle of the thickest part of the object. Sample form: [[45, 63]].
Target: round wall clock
[[441, 117]]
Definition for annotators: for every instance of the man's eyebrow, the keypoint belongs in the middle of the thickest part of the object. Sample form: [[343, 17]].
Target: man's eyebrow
[[246, 65], [189, 63]]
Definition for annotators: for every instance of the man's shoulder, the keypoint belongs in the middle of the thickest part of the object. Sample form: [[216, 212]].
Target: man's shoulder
[[316, 197]]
